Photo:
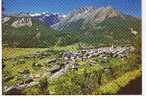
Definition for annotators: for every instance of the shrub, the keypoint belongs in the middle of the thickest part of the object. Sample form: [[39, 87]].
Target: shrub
[[83, 81], [43, 85]]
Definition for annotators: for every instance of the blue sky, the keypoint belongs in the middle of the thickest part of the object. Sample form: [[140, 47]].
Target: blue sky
[[131, 7]]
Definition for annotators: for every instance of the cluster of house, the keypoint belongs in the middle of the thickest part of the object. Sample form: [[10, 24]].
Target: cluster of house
[[102, 52], [70, 58]]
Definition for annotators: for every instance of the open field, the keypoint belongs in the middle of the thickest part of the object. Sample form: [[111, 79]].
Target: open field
[[15, 52]]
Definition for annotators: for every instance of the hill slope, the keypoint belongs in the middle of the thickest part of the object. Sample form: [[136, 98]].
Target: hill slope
[[24, 31]]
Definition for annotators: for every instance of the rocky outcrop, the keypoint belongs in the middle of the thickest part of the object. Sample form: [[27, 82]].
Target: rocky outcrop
[[5, 19], [133, 31], [22, 22]]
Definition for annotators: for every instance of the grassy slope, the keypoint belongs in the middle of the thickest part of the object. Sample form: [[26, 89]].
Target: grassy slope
[[106, 32], [114, 86]]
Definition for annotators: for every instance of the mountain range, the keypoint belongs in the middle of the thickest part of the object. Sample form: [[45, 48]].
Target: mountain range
[[87, 25], [48, 18], [103, 25]]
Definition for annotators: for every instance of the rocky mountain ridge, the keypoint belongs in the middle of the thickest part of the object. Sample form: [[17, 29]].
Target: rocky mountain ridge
[[88, 15]]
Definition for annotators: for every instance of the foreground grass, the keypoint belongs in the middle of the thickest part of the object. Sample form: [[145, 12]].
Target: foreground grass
[[114, 86]]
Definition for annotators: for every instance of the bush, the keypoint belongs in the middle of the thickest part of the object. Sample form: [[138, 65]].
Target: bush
[[43, 85], [83, 81], [31, 91]]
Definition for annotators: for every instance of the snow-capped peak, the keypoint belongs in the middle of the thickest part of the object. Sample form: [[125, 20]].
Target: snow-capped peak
[[47, 14], [35, 14], [64, 16]]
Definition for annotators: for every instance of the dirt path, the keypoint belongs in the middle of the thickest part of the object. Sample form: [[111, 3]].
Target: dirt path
[[134, 87]]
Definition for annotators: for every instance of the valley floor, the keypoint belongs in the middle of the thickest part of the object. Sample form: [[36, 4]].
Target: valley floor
[[34, 71]]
